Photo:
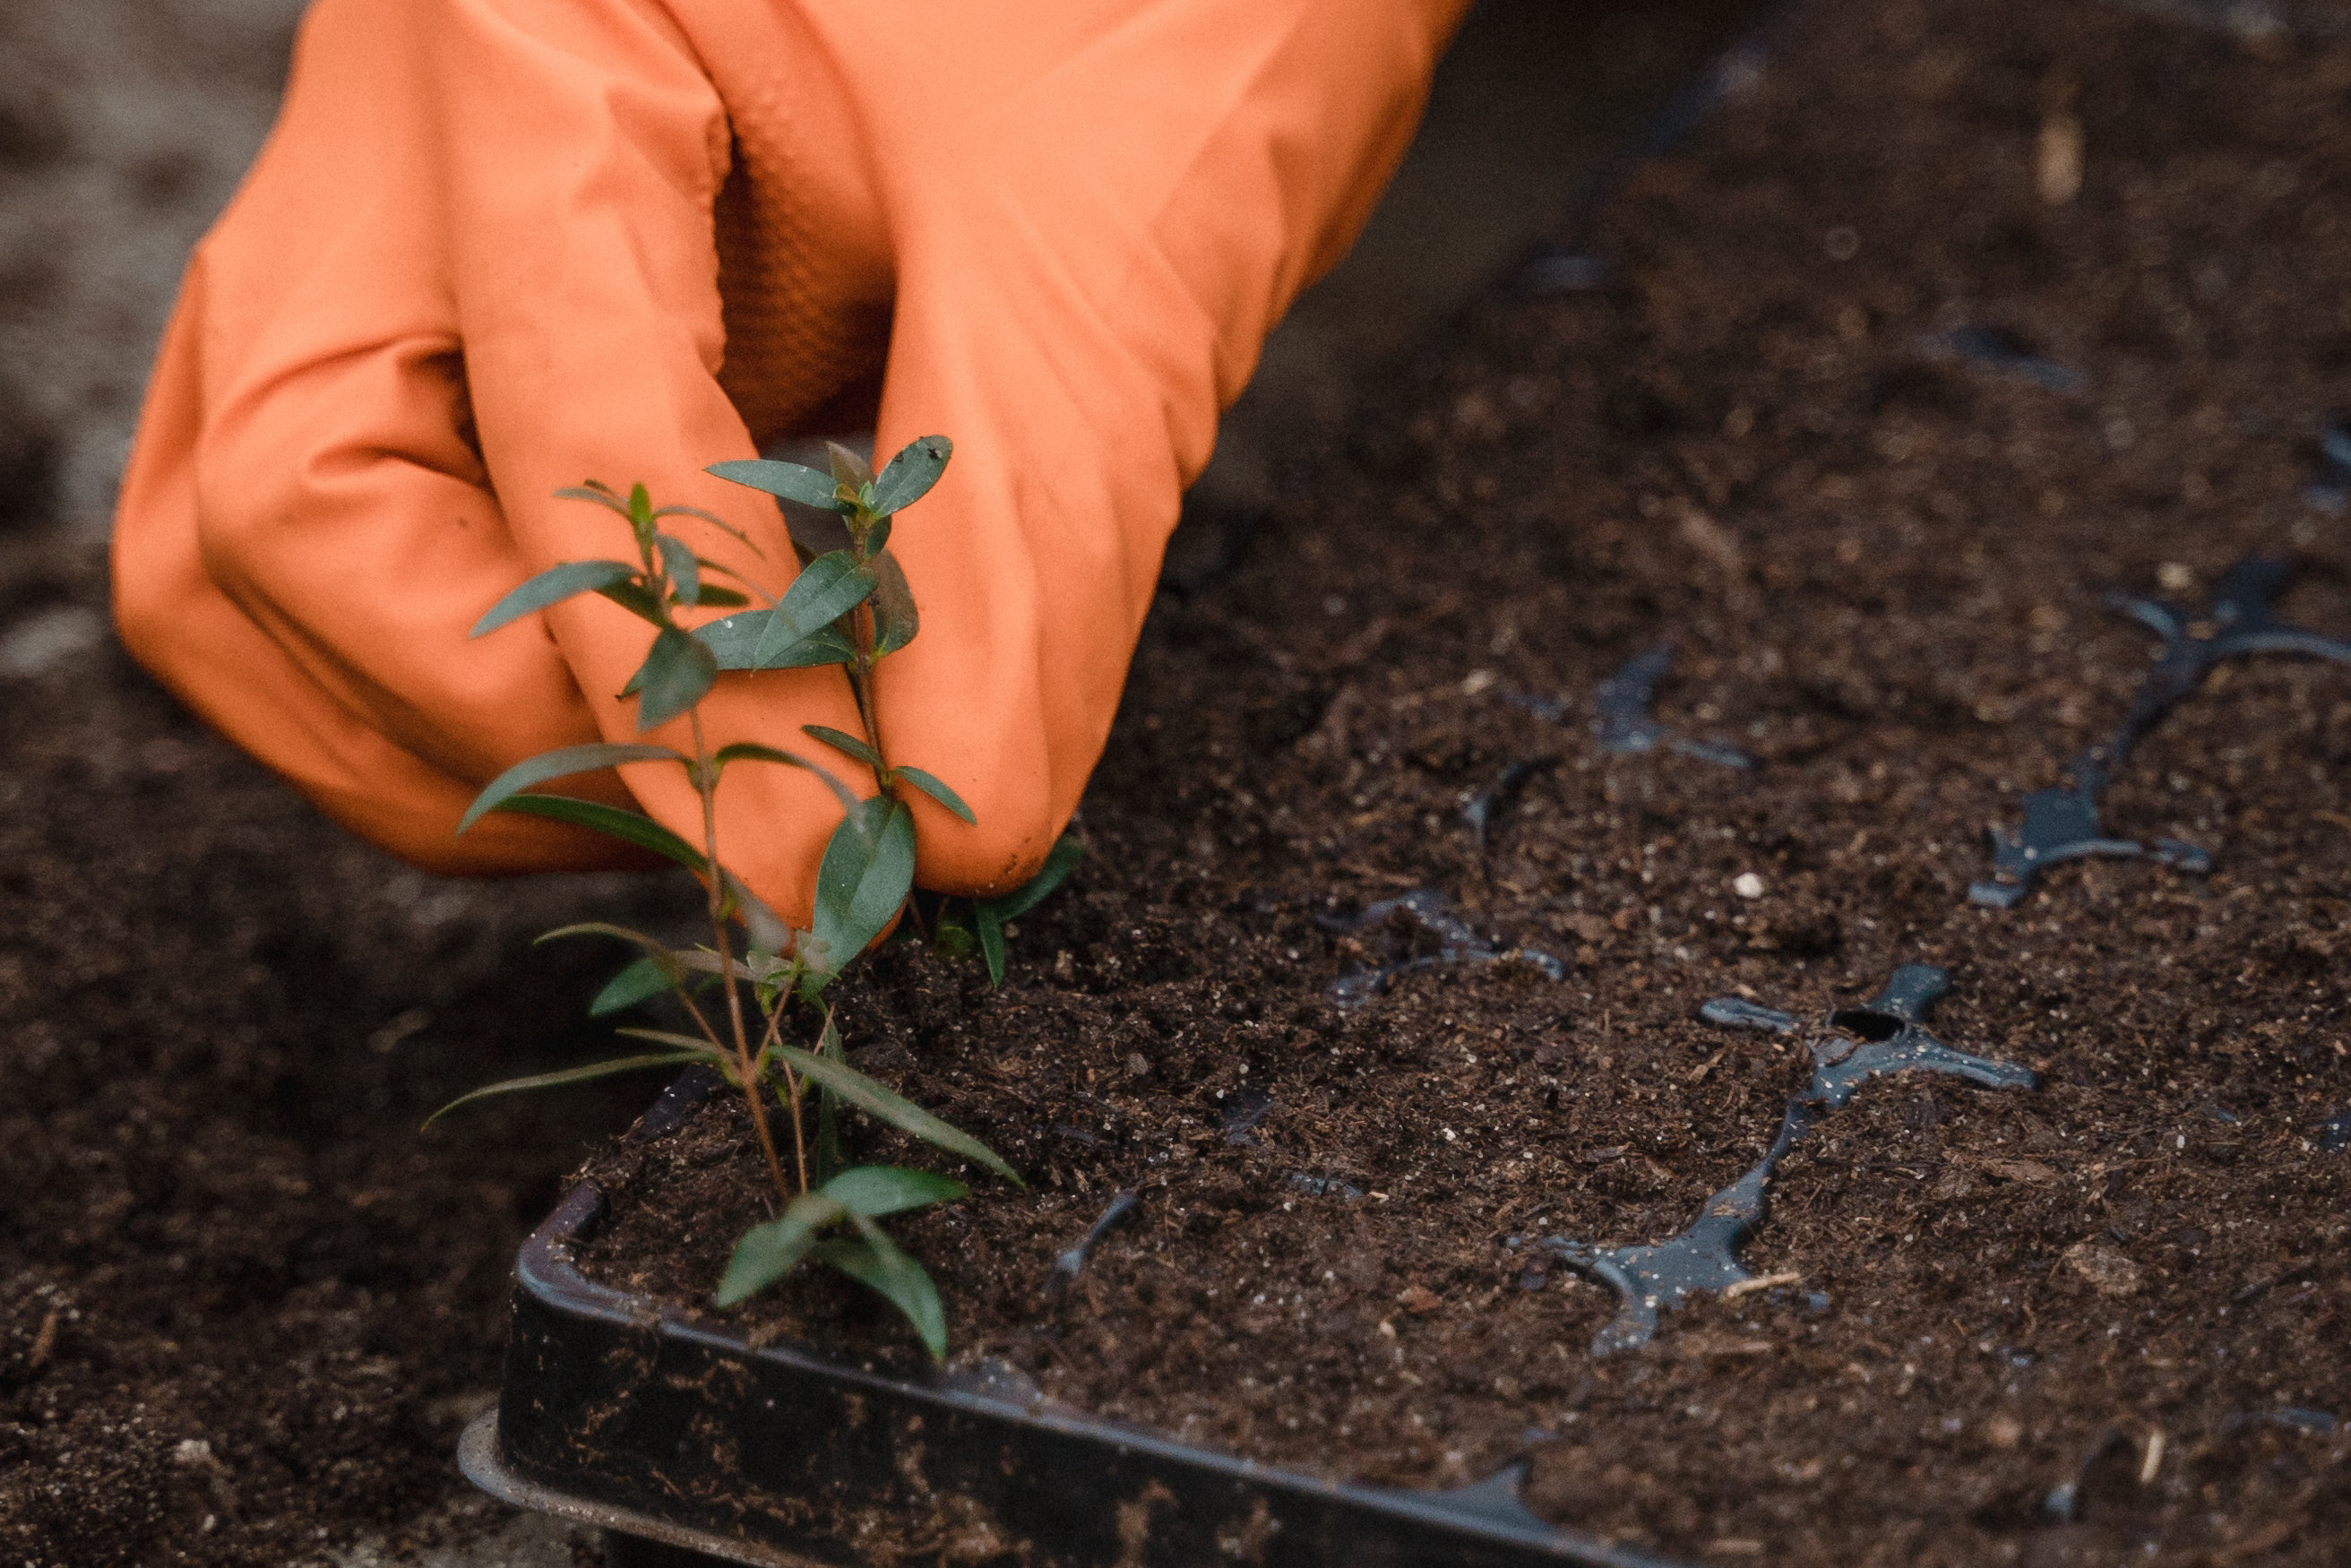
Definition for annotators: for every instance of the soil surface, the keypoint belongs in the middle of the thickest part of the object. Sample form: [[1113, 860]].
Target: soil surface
[[244, 1307], [1960, 315]]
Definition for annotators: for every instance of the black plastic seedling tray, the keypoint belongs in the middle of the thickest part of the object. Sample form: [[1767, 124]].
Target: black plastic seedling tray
[[670, 1428], [689, 1444]]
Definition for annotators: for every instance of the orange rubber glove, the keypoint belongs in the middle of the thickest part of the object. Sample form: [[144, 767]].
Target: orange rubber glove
[[498, 247]]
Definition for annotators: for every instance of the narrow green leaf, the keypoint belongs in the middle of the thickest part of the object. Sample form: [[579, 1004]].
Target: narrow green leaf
[[652, 944], [814, 533], [908, 477], [629, 827], [703, 961], [559, 764], [990, 925], [569, 1075], [876, 1190], [1059, 863], [720, 569], [768, 1252], [841, 741], [713, 597], [828, 1153], [735, 639], [867, 871], [640, 982], [988, 917], [596, 494], [769, 931], [678, 673], [827, 589], [788, 481], [682, 567], [832, 1153], [876, 1261], [895, 620], [721, 523], [885, 1104], [671, 1037], [553, 586], [637, 600], [641, 508], [752, 751], [850, 471], [935, 788], [952, 933]]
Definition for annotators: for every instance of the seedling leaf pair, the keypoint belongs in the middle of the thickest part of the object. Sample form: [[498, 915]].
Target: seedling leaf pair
[[562, 763], [904, 480], [928, 783], [885, 1104], [857, 1196]]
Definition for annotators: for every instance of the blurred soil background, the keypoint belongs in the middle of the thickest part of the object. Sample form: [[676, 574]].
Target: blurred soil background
[[244, 1307]]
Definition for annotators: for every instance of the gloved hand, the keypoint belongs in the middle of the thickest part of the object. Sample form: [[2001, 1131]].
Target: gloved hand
[[495, 247]]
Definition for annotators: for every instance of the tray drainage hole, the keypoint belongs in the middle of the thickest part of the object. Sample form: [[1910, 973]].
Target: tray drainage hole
[[1866, 1023]]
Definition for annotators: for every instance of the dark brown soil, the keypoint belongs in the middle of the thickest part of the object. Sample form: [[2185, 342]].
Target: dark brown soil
[[1884, 569], [244, 1306]]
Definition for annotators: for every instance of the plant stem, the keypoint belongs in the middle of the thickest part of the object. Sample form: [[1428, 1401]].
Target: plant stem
[[860, 666], [860, 686], [707, 786], [772, 1034]]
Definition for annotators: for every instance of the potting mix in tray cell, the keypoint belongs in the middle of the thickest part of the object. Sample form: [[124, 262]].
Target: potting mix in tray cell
[[1525, 967]]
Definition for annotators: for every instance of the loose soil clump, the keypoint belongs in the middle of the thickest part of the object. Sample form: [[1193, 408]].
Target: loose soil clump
[[1816, 431]]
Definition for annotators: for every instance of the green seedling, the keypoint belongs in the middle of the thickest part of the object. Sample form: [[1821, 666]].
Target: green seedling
[[850, 605], [966, 925]]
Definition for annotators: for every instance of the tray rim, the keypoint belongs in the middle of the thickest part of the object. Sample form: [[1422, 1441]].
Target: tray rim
[[1487, 1514]]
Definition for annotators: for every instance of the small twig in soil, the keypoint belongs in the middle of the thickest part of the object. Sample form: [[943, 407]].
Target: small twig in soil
[[1761, 1282], [1885, 1035], [2061, 824]]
